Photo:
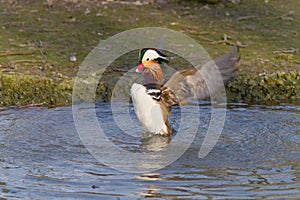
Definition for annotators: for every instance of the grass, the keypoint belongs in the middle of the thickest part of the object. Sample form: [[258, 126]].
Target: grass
[[36, 40]]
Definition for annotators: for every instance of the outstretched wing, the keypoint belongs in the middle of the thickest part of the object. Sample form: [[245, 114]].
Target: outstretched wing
[[192, 83]]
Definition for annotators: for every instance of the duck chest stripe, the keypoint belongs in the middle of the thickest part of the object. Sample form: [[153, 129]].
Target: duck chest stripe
[[154, 93]]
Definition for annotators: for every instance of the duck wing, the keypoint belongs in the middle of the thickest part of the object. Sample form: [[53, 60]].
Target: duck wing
[[191, 84]]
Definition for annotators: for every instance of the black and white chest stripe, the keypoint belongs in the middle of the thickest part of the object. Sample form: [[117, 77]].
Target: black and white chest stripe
[[154, 93]]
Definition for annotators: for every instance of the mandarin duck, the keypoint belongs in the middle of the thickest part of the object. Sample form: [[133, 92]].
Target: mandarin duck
[[153, 98]]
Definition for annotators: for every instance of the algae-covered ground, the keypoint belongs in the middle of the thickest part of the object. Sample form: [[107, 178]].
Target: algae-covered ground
[[43, 43]]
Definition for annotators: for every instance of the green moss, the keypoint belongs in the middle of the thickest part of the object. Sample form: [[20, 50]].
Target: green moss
[[26, 89], [267, 88], [18, 89]]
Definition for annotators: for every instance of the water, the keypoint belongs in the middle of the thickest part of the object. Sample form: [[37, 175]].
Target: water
[[257, 156]]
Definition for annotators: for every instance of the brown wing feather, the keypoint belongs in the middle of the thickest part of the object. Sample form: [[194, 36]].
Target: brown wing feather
[[168, 97], [189, 83]]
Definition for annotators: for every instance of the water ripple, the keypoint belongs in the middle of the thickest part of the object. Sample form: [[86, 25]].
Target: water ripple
[[257, 156]]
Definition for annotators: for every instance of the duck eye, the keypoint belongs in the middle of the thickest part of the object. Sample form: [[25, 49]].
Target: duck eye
[[147, 59]]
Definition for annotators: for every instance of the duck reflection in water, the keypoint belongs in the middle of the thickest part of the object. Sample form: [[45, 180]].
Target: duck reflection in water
[[154, 142]]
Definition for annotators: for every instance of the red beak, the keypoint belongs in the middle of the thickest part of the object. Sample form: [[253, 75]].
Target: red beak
[[140, 67]]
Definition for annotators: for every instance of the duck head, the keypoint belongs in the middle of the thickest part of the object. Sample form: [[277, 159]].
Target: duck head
[[150, 61]]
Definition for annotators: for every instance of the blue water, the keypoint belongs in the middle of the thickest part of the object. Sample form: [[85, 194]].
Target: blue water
[[256, 156]]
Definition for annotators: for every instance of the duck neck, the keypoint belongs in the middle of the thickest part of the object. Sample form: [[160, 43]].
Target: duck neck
[[149, 82], [153, 75]]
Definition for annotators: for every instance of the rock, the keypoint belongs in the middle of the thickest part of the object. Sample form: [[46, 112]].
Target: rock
[[72, 57]]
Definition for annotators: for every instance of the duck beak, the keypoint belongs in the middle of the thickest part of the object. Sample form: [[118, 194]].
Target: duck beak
[[140, 67]]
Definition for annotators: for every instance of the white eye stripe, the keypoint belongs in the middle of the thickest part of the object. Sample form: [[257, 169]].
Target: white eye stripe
[[151, 55]]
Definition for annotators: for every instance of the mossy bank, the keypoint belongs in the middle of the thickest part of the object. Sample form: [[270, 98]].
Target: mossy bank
[[28, 89], [25, 89], [266, 88]]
